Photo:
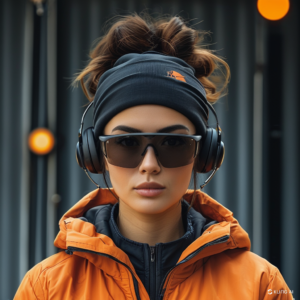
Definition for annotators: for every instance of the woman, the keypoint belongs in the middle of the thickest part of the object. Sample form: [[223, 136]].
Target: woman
[[150, 237]]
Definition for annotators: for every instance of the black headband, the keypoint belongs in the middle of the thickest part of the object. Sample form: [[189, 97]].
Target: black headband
[[150, 78]]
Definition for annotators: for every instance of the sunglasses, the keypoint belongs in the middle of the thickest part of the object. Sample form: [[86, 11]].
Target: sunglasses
[[128, 150]]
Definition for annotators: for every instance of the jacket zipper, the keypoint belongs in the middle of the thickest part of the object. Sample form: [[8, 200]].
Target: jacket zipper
[[70, 251], [152, 273], [217, 241], [161, 292]]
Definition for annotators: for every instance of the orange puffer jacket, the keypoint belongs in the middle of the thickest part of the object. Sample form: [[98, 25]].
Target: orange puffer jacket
[[218, 265]]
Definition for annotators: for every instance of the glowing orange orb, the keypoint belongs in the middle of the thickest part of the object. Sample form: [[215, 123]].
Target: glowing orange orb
[[41, 141], [273, 9]]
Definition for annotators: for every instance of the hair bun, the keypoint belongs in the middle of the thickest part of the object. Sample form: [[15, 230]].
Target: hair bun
[[170, 36]]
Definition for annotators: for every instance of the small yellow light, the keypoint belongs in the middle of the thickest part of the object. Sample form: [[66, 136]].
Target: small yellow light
[[273, 9], [41, 141]]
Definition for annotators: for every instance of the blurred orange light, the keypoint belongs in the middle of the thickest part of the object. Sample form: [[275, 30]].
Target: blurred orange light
[[273, 9], [41, 141]]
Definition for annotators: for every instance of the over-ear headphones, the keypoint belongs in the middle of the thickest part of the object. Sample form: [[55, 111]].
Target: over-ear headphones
[[210, 157]]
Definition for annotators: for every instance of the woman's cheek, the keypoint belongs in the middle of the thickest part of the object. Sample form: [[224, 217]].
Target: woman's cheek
[[120, 179], [179, 179]]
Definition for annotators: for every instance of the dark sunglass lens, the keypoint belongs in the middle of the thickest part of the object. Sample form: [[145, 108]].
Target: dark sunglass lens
[[173, 151], [176, 151], [124, 151]]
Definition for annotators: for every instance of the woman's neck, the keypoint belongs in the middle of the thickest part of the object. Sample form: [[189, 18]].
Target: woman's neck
[[159, 228]]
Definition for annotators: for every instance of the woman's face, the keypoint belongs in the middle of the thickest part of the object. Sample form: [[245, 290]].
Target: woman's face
[[149, 118]]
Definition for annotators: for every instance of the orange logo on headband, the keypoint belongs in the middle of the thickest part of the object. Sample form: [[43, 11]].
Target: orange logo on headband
[[175, 75]]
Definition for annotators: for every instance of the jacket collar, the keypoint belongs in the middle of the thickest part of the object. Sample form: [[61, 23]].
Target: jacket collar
[[75, 232], [164, 255]]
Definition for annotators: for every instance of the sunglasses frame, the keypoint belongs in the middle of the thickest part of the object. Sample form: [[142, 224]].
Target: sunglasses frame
[[105, 138]]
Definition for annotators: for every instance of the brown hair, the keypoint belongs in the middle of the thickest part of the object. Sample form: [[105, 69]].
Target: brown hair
[[137, 33]]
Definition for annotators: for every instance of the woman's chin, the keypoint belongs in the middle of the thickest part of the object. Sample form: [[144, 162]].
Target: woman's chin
[[149, 205]]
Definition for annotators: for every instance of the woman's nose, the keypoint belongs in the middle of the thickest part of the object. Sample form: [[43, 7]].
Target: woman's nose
[[150, 161]]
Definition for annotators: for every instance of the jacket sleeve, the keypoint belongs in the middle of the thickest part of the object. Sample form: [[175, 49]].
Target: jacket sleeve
[[277, 288], [25, 290]]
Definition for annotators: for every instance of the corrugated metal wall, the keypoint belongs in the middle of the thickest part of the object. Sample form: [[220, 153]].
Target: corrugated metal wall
[[15, 108], [244, 183]]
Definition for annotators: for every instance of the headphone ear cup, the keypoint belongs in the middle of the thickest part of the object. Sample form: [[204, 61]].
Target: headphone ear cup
[[97, 154], [79, 157], [91, 149], [220, 155], [210, 153], [201, 159]]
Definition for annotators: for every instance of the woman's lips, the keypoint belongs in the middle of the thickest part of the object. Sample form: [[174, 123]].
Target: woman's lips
[[149, 192]]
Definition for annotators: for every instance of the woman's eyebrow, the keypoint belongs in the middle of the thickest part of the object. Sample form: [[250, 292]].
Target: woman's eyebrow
[[165, 129]]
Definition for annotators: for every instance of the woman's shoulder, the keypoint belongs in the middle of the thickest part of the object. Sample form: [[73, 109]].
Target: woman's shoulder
[[33, 282], [49, 264], [249, 267], [239, 273], [242, 258]]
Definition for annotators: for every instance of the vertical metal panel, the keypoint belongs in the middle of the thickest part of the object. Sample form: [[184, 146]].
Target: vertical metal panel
[[258, 132], [290, 152], [11, 63], [40, 120], [245, 69], [52, 196], [25, 129]]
